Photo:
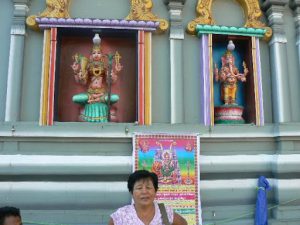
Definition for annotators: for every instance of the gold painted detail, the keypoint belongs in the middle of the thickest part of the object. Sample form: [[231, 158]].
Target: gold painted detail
[[54, 8], [45, 79], [142, 10], [253, 15], [251, 8], [204, 16]]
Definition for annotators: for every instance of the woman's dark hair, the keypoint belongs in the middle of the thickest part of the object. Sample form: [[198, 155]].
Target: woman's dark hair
[[7, 212], [141, 175]]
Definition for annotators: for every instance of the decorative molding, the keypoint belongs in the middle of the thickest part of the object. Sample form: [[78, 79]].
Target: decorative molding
[[20, 12], [274, 10], [251, 9], [242, 31], [54, 8], [142, 10], [295, 6], [45, 23], [175, 9], [17, 29]]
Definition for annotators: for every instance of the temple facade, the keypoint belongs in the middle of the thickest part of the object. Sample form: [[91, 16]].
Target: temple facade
[[61, 162]]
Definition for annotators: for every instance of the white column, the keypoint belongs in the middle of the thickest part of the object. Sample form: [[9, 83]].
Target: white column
[[278, 57], [176, 59], [15, 65]]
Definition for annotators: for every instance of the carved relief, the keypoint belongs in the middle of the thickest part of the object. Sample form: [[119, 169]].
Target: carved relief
[[54, 8], [251, 9], [142, 10]]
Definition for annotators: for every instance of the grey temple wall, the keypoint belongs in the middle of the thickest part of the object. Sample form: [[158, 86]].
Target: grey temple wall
[[75, 173]]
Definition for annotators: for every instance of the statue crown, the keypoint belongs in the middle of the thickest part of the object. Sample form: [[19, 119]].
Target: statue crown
[[96, 41], [137, 1]]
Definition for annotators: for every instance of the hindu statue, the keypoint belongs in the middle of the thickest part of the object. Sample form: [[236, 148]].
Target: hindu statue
[[97, 72], [229, 76], [166, 165]]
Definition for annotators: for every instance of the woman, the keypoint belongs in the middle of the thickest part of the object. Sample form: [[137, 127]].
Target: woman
[[143, 186]]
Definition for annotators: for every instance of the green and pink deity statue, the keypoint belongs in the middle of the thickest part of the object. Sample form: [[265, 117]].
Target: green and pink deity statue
[[97, 73]]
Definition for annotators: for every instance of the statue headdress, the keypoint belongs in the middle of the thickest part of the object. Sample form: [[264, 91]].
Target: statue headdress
[[97, 42], [230, 48]]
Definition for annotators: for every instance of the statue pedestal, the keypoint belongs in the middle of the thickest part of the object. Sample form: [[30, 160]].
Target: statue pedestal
[[229, 114]]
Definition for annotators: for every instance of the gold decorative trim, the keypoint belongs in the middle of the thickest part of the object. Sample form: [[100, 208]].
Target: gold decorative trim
[[54, 8], [251, 8], [142, 10], [256, 94], [45, 79]]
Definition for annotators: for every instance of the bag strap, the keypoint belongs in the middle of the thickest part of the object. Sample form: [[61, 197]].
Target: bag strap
[[163, 213]]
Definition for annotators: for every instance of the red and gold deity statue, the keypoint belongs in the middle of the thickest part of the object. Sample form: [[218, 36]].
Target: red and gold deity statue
[[229, 76], [97, 72]]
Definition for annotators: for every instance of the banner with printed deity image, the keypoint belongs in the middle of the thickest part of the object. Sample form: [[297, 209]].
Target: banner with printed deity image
[[174, 158]]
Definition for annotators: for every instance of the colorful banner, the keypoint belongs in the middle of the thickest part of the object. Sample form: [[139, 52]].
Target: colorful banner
[[174, 158]]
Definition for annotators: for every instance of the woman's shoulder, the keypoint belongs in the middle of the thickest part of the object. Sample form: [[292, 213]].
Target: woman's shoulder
[[123, 214], [124, 209]]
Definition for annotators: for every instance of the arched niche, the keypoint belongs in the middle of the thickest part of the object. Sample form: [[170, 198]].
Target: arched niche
[[228, 7], [251, 9]]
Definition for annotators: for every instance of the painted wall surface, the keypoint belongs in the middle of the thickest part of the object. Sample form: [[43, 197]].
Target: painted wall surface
[[75, 173], [161, 69]]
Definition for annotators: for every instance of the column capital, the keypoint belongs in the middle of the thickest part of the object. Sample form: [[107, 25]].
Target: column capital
[[266, 4], [21, 8], [294, 4], [175, 9], [274, 10], [168, 2]]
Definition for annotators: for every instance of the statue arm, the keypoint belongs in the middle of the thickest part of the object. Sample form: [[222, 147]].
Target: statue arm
[[117, 67], [79, 67], [242, 76], [216, 72]]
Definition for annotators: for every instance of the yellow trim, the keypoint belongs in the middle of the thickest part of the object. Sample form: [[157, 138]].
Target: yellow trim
[[251, 9], [142, 10], [212, 110], [45, 78], [257, 106], [54, 8], [148, 116]]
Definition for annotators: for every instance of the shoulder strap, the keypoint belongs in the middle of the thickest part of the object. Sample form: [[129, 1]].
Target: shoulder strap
[[163, 213]]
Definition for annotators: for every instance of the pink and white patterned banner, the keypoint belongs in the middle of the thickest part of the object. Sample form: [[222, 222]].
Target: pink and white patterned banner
[[175, 160]]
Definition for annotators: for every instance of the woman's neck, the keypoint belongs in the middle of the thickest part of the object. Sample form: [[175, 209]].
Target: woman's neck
[[145, 212]]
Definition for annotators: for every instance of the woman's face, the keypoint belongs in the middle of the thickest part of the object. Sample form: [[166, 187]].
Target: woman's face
[[12, 220], [144, 192]]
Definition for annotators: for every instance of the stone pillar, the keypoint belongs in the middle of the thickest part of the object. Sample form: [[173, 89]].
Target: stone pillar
[[295, 6], [176, 59], [278, 57], [15, 64]]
